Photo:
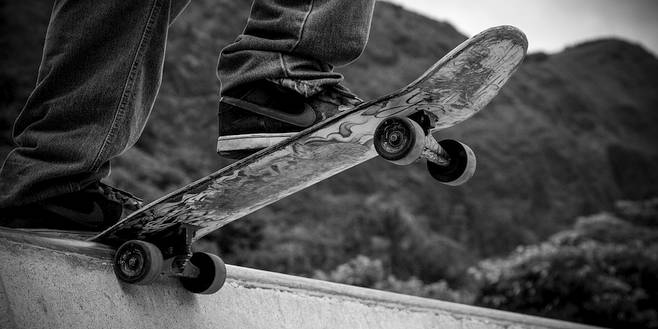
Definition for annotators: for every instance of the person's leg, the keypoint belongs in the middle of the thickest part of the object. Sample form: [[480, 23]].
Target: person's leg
[[99, 75], [300, 40], [287, 45]]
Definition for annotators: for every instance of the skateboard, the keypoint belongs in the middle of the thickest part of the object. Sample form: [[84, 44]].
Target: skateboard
[[157, 238]]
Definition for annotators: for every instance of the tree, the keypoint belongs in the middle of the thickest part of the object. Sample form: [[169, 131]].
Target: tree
[[603, 271]]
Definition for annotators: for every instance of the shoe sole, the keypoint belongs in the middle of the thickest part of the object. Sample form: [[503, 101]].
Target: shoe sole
[[229, 144]]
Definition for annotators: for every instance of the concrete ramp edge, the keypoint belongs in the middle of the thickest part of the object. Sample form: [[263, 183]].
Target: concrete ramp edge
[[59, 283]]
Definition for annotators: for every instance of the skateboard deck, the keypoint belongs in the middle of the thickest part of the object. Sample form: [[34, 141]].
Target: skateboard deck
[[455, 88], [451, 91]]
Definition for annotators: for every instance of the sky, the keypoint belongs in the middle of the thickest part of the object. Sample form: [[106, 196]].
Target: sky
[[551, 25]]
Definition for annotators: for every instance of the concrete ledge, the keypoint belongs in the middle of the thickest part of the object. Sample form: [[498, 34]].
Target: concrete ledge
[[58, 283]]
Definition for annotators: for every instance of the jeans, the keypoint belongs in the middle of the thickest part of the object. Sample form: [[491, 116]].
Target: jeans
[[102, 67]]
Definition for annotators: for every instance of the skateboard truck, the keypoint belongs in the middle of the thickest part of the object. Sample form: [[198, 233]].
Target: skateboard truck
[[404, 140], [170, 253]]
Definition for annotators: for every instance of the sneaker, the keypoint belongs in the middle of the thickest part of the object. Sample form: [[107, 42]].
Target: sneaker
[[264, 113], [94, 208]]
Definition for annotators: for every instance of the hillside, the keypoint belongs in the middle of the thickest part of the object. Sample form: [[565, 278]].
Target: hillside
[[571, 133]]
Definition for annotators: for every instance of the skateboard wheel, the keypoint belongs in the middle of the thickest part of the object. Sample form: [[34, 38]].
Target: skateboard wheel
[[138, 262], [399, 140], [212, 274], [461, 167]]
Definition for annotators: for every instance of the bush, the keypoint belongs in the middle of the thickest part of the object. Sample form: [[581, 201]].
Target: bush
[[604, 272], [366, 272]]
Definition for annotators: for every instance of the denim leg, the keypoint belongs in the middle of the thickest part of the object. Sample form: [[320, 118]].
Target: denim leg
[[100, 72], [299, 40]]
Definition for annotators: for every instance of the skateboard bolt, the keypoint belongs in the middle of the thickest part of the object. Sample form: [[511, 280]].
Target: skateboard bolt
[[394, 138], [130, 262]]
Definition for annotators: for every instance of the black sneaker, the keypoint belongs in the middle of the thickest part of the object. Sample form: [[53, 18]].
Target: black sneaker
[[95, 208], [265, 113]]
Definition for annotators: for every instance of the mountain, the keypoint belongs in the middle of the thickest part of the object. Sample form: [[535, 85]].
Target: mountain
[[571, 133]]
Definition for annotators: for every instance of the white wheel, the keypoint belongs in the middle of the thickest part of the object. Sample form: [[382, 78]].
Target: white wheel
[[462, 164], [399, 140]]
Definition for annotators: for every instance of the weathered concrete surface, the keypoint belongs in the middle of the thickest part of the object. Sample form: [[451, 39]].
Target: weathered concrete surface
[[56, 283]]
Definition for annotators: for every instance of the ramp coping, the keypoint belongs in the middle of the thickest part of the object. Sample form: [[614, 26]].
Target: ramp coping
[[253, 278]]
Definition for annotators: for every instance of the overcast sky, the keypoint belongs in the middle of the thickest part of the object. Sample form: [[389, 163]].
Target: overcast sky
[[550, 24]]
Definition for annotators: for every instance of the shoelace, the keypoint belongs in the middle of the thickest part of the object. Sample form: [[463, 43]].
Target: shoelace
[[339, 95]]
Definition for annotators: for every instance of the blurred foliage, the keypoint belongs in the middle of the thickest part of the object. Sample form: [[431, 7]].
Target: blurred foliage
[[370, 273], [382, 228], [639, 213], [603, 271]]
